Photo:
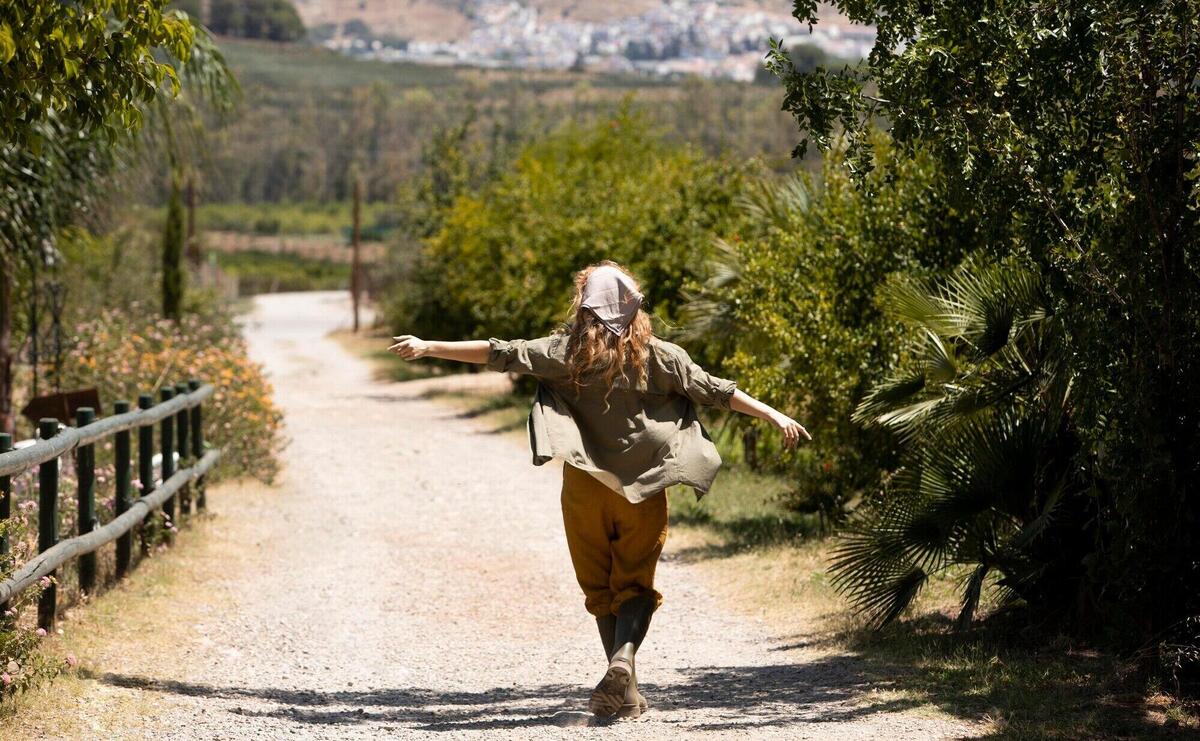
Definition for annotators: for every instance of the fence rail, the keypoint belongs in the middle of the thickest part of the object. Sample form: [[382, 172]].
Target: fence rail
[[180, 417]]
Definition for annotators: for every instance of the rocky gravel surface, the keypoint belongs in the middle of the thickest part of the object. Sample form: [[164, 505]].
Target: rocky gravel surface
[[409, 578]]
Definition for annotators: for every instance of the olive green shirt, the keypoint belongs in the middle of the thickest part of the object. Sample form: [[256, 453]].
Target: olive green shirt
[[645, 438]]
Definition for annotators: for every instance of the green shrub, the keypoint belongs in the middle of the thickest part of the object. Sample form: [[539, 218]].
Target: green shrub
[[266, 225], [788, 308], [502, 260]]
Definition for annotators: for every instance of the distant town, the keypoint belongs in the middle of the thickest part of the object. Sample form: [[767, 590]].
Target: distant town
[[678, 38]]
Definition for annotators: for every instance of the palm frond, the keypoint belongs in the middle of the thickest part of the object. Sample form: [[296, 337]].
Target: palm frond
[[915, 302], [971, 596], [776, 202]]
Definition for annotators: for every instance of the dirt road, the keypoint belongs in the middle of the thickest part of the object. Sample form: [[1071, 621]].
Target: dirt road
[[409, 578]]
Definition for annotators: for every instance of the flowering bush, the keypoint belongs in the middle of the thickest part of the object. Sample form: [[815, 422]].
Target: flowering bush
[[123, 355], [22, 666]]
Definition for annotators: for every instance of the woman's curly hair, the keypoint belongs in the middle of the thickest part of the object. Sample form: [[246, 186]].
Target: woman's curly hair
[[594, 352]]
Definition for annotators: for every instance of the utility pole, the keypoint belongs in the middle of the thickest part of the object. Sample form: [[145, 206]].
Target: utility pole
[[355, 278]]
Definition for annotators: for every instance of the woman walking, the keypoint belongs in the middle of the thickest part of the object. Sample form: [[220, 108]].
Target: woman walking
[[618, 406]]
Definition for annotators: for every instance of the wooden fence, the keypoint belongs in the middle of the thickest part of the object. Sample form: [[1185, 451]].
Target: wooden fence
[[178, 414]]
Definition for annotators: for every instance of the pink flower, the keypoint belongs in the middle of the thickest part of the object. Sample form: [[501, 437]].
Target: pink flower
[[41, 632], [137, 484], [72, 661], [44, 582], [6, 678]]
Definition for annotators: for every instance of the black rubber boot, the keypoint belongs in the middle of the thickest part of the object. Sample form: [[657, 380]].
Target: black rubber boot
[[635, 703], [608, 633], [633, 620]]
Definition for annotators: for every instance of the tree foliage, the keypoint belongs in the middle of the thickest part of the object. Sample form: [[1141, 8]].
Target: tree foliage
[[1072, 127], [75, 83], [272, 20], [502, 259], [789, 307], [93, 64]]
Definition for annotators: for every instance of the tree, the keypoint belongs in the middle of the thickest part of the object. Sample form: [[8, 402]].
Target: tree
[[502, 258], [273, 20], [794, 317], [74, 81], [172, 255], [1071, 129], [91, 63]]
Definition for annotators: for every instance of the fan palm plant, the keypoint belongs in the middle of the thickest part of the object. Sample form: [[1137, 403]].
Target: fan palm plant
[[982, 407]]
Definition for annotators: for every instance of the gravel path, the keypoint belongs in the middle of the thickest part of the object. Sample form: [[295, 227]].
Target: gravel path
[[410, 578]]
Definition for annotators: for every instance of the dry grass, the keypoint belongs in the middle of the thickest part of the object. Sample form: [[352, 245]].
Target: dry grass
[[138, 617], [412, 19], [1018, 681]]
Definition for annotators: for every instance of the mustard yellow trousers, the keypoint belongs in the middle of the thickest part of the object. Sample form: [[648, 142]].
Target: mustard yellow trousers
[[614, 543]]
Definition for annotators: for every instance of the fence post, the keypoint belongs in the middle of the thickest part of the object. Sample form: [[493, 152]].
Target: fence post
[[146, 455], [121, 482], [197, 445], [5, 513], [85, 471], [168, 457], [181, 444], [47, 520]]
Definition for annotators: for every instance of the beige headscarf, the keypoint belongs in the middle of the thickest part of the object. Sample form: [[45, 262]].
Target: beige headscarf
[[612, 297]]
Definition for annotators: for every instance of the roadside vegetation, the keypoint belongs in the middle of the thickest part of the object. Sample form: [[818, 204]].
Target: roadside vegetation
[[90, 93]]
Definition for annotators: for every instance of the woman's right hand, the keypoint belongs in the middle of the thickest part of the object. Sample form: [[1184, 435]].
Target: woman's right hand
[[409, 347], [791, 430]]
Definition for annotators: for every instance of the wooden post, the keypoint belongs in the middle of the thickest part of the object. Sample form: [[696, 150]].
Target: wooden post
[[85, 470], [167, 468], [121, 481], [47, 520], [145, 455], [197, 446], [355, 278], [182, 425], [5, 513]]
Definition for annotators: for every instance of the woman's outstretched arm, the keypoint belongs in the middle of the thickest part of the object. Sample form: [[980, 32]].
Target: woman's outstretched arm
[[791, 429], [466, 351]]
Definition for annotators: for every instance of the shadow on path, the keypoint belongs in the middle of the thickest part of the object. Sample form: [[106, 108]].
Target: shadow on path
[[826, 690]]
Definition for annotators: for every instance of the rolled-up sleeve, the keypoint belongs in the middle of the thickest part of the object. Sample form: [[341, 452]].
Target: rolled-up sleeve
[[531, 357], [701, 386]]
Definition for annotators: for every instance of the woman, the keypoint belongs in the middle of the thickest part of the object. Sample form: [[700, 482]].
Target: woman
[[617, 406]]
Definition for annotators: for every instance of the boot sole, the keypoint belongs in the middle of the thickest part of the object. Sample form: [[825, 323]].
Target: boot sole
[[633, 709], [609, 696]]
